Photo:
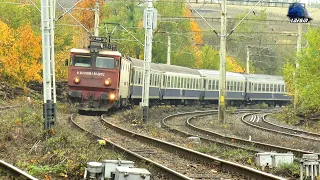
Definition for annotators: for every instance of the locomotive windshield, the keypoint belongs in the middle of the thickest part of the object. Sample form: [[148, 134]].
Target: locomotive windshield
[[82, 61], [105, 62]]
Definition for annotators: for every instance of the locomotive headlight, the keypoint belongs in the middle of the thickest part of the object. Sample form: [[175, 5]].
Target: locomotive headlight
[[76, 80], [107, 82], [112, 96]]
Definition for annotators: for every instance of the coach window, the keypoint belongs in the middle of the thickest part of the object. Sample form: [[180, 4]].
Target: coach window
[[188, 83], [136, 74], [217, 84], [139, 77], [176, 82], [197, 83], [267, 87], [179, 82], [271, 87], [82, 61], [213, 85], [193, 83], [259, 87]]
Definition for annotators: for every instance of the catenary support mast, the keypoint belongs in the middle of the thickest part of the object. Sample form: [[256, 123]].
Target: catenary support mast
[[149, 23], [49, 89], [96, 19], [222, 82], [169, 50], [297, 63], [248, 60]]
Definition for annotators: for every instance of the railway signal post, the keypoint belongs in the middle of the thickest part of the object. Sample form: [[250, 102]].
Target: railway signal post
[[149, 23], [49, 88]]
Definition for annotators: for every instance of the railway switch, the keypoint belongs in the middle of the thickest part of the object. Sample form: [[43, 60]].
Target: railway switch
[[110, 166], [273, 159], [125, 173]]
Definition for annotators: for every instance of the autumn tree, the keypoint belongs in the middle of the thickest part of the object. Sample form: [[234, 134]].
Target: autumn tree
[[307, 76], [85, 12], [20, 55]]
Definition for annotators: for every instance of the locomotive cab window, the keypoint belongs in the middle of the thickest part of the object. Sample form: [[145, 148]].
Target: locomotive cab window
[[105, 62], [82, 61], [117, 64]]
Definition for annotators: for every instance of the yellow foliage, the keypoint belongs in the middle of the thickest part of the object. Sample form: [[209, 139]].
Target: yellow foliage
[[20, 54], [6, 38], [87, 17], [140, 24], [196, 36], [60, 69], [232, 65]]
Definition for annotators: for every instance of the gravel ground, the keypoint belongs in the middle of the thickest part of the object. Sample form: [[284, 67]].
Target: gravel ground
[[171, 160], [281, 123], [128, 120], [235, 127]]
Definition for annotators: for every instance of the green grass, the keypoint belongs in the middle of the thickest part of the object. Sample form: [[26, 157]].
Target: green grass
[[64, 155]]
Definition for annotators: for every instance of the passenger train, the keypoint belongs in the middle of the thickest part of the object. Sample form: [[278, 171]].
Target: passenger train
[[100, 78]]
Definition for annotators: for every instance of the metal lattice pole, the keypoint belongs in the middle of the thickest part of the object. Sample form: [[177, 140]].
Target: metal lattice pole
[[149, 23]]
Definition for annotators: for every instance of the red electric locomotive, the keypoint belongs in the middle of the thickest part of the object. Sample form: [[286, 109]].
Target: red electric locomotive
[[93, 76]]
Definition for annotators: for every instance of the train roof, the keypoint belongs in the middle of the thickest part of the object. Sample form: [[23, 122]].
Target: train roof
[[216, 73], [165, 67], [178, 69], [140, 63], [264, 78], [103, 52]]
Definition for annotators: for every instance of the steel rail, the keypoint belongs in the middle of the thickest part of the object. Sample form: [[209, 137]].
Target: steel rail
[[226, 166], [279, 132], [256, 144], [134, 156], [317, 135], [165, 125], [15, 172], [9, 107]]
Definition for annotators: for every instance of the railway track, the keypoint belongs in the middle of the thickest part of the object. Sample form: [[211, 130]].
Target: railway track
[[9, 107], [238, 171], [178, 124], [258, 121], [183, 127], [295, 131], [10, 172], [105, 134]]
